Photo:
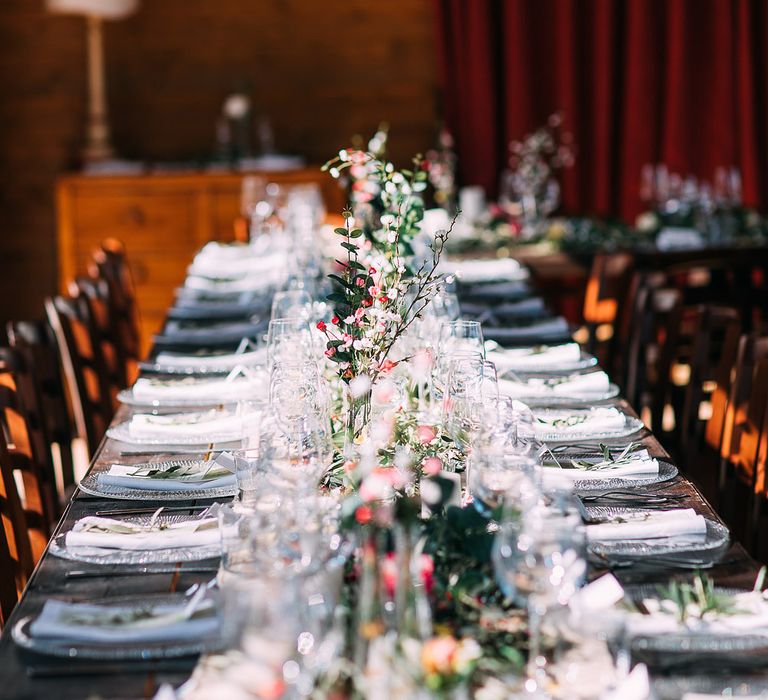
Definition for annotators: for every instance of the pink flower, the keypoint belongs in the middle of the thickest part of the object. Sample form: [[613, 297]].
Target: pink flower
[[425, 434], [377, 486], [348, 340], [330, 352], [437, 655], [374, 291], [389, 573], [359, 313], [367, 302], [349, 466], [387, 366], [427, 571], [363, 515], [371, 270], [432, 466], [360, 281]]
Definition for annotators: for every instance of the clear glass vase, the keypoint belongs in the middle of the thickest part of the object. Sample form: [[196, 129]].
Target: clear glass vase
[[357, 419]]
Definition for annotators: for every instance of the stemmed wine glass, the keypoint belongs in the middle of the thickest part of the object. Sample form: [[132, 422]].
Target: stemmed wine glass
[[540, 562], [289, 338], [461, 336]]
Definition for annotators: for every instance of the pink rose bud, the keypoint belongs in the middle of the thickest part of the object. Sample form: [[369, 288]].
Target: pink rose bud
[[432, 466], [425, 434]]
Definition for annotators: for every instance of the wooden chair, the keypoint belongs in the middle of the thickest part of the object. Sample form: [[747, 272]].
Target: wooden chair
[[110, 264], [715, 338], [94, 293], [16, 562], [604, 298], [744, 422], [36, 343], [27, 447], [84, 369], [653, 342]]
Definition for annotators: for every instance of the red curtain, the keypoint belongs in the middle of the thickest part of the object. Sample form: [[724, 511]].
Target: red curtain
[[680, 82]]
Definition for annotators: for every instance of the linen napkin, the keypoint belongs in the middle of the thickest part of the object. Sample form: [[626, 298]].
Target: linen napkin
[[594, 421], [252, 283], [223, 425], [472, 271], [109, 533], [547, 329], [251, 386], [533, 306], [639, 465], [214, 334], [531, 359], [750, 616], [237, 268], [505, 291], [649, 525], [189, 479], [593, 384], [222, 362], [119, 624]]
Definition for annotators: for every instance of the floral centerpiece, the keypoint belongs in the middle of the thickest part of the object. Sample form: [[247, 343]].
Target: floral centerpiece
[[381, 288]]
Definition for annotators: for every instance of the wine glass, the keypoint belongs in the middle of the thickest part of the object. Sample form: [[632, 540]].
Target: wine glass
[[540, 561], [289, 338], [297, 391], [461, 336], [499, 480], [463, 400], [293, 303]]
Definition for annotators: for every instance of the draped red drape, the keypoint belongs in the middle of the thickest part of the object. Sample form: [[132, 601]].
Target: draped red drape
[[680, 82]]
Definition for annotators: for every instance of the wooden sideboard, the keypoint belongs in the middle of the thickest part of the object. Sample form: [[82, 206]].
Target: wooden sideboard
[[162, 219]]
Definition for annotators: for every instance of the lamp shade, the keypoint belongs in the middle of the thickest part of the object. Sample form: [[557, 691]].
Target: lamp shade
[[104, 9]]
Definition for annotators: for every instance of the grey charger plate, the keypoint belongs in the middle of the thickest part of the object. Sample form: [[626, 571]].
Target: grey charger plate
[[631, 426], [106, 556], [694, 641], [111, 651], [713, 542], [121, 432], [667, 472], [572, 400], [91, 485]]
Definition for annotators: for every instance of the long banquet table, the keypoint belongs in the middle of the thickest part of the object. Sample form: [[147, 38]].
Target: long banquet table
[[24, 675]]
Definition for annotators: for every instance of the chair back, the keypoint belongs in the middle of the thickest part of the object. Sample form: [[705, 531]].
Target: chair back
[[715, 332], [110, 264], [36, 343], [84, 368], [16, 562]]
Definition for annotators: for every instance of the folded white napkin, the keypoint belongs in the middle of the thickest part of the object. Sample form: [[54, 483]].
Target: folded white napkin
[[594, 421], [640, 466], [636, 686], [252, 386], [471, 271], [252, 283], [575, 386], [129, 477], [205, 426], [110, 533], [531, 359], [213, 362], [89, 622], [650, 525], [237, 268], [751, 618]]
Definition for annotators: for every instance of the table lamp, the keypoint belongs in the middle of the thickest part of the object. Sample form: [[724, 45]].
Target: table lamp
[[98, 146]]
